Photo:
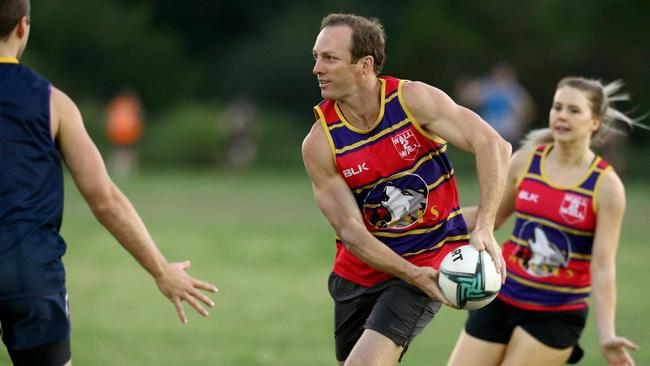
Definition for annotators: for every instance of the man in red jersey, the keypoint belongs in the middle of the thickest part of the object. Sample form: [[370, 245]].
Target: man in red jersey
[[377, 160]]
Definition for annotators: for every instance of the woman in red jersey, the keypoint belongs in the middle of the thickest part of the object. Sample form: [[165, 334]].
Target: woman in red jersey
[[568, 204]]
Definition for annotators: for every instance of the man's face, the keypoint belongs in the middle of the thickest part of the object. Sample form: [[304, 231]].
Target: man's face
[[337, 75]]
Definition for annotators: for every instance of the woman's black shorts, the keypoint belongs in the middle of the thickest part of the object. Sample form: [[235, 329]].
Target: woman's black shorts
[[497, 321]]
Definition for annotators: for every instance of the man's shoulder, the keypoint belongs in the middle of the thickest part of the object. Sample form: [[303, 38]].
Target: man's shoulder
[[420, 96], [315, 136], [316, 132], [416, 88], [36, 77], [27, 80], [316, 149]]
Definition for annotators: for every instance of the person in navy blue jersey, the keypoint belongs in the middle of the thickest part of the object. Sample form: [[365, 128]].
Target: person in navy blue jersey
[[40, 126]]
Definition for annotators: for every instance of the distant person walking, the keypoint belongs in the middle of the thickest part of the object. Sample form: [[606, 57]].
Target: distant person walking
[[40, 127], [237, 123]]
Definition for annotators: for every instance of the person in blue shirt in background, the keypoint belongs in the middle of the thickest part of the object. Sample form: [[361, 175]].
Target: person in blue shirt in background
[[501, 101]]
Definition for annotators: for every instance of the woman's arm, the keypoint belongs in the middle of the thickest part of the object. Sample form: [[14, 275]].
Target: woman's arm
[[610, 210]]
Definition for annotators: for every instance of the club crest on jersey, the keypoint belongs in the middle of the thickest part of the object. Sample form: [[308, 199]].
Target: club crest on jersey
[[406, 144], [573, 208], [396, 203], [546, 251]]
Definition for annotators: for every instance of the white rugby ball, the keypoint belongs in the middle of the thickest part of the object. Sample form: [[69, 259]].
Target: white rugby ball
[[468, 278]]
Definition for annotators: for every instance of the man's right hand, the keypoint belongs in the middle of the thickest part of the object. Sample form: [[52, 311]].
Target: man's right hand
[[483, 239], [426, 279]]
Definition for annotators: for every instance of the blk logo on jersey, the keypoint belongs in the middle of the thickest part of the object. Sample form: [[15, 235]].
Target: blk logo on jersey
[[406, 144], [355, 170], [527, 196], [573, 208]]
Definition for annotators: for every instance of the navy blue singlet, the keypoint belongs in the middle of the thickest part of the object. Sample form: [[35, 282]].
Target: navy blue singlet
[[31, 187]]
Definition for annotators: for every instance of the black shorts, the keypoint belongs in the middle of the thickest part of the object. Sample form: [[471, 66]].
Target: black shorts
[[497, 321], [393, 308], [36, 330]]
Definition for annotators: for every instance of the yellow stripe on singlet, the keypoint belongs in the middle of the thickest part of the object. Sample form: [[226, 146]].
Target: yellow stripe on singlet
[[407, 172], [417, 231], [395, 94], [584, 257], [373, 138], [321, 118], [434, 247], [439, 244], [553, 225], [596, 196], [575, 187], [341, 124], [563, 289], [581, 300], [552, 185], [442, 178], [336, 125], [431, 186], [523, 243]]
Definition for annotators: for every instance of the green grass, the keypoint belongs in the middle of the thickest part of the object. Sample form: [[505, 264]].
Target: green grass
[[264, 243]]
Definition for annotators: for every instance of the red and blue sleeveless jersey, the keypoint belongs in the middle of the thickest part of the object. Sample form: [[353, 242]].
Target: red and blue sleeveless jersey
[[548, 255], [31, 187], [402, 181]]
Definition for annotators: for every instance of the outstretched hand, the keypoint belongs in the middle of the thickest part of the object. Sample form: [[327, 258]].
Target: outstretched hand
[[178, 286], [484, 240], [615, 351]]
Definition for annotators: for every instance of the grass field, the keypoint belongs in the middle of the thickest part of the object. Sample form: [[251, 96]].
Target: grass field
[[263, 242]]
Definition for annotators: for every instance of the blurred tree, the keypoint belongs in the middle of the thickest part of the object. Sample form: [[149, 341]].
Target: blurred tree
[[94, 47], [206, 51]]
